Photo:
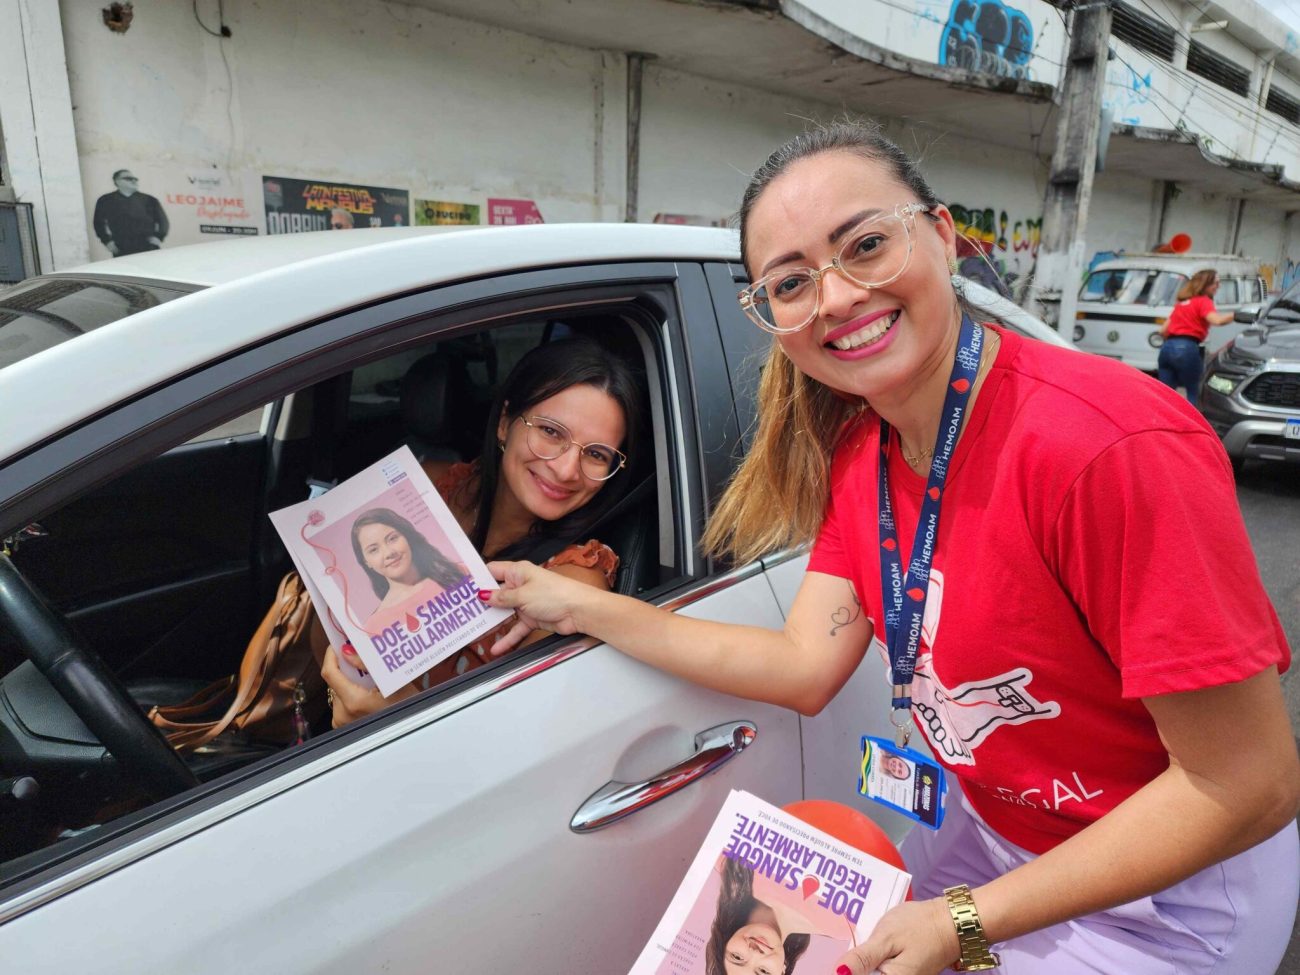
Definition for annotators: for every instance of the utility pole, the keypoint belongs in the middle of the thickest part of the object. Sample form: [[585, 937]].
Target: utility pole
[[1074, 158]]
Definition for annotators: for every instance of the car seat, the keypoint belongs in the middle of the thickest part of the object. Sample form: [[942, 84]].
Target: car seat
[[442, 413]]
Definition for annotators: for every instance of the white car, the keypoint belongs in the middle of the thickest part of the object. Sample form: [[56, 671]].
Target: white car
[[1125, 300], [533, 815]]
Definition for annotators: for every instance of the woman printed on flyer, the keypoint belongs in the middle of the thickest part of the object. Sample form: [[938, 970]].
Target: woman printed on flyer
[[402, 565]]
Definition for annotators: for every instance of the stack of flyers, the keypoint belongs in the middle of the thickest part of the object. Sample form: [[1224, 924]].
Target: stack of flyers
[[768, 893]]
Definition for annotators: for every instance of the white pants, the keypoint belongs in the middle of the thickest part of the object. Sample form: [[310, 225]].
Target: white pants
[[1233, 918]]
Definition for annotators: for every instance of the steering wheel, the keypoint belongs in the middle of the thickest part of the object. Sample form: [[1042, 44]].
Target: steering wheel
[[93, 692]]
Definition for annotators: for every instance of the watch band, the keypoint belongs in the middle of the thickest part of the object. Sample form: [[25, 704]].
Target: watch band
[[975, 954]]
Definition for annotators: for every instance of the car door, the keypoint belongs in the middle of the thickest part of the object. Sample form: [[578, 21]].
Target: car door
[[506, 821]]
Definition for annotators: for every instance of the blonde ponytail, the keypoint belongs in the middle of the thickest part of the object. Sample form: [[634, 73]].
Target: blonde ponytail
[[778, 496]]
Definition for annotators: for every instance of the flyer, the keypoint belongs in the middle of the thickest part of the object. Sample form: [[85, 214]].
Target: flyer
[[769, 892], [390, 570]]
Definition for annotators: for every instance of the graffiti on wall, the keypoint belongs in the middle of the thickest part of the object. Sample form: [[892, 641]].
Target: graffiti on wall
[[1280, 277], [1126, 93], [989, 37], [994, 249]]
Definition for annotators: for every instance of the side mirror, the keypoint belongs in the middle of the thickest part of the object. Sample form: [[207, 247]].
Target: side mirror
[[1247, 314]]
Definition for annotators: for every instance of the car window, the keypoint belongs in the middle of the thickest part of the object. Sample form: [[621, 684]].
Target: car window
[[1132, 286], [1228, 292], [41, 313], [170, 597], [1252, 290]]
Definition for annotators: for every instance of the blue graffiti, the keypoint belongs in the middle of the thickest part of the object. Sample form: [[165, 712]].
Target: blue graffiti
[[989, 37]]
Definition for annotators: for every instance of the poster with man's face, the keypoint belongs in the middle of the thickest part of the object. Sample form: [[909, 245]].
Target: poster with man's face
[[297, 205]]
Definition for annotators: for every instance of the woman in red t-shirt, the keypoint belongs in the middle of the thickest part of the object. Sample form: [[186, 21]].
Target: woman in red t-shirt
[[1096, 660], [1181, 357]]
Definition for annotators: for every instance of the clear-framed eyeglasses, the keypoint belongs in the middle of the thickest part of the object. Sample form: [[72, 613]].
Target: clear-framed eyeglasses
[[549, 439], [875, 252]]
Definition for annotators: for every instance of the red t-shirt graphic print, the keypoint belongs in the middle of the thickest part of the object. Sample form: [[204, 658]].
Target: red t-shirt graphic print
[[1090, 553]]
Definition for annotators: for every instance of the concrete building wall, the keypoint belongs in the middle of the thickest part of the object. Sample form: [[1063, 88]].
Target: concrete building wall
[[1025, 38], [363, 92], [386, 95]]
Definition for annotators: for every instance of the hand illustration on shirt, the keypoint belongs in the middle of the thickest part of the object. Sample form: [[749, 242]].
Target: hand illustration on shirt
[[956, 720]]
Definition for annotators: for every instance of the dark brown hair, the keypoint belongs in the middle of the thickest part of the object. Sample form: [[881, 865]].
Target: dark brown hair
[[736, 902]]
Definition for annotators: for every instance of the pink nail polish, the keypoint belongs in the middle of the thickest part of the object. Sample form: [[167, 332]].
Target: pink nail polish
[[485, 594]]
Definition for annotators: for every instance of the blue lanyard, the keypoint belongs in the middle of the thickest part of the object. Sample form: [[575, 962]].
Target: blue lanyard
[[904, 596]]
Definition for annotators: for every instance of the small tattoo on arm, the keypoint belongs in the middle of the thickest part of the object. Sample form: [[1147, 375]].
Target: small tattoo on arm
[[845, 615]]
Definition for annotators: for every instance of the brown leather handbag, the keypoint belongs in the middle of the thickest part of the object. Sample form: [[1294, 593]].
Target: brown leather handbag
[[278, 685]]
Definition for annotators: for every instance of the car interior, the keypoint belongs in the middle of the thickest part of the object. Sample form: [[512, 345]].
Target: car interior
[[164, 572]]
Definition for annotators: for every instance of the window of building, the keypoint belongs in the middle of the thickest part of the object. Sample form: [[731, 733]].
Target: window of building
[[1280, 103], [1216, 68], [1144, 32]]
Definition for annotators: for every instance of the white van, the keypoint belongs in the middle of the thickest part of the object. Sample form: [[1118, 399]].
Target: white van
[[1125, 300]]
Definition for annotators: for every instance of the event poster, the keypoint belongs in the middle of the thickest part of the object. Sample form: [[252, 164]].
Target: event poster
[[153, 206], [297, 205], [397, 574], [441, 213], [690, 220], [768, 892], [509, 213]]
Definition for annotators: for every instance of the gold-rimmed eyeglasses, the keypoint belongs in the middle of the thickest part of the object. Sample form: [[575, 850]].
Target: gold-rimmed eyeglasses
[[549, 439], [875, 252]]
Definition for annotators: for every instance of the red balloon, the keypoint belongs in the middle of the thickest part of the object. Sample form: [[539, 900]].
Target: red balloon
[[849, 826]]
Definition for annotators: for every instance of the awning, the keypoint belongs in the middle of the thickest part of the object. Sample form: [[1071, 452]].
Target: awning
[[1184, 158], [782, 47]]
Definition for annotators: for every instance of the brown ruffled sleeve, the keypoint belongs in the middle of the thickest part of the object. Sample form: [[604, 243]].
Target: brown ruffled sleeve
[[454, 479], [593, 555]]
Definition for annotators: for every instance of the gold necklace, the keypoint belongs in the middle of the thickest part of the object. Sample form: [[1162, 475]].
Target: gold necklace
[[914, 461]]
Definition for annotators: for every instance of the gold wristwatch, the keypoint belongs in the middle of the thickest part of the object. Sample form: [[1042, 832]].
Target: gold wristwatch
[[975, 954]]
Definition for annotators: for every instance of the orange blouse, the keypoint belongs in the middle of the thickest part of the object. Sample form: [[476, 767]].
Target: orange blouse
[[455, 486]]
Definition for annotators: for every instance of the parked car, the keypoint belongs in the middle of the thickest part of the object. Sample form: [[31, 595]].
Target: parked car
[[1124, 301], [532, 815], [1250, 391]]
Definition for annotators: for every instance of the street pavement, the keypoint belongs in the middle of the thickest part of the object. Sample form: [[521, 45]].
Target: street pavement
[[1269, 495]]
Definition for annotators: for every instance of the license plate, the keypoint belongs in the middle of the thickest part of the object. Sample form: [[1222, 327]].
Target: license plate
[[1292, 429]]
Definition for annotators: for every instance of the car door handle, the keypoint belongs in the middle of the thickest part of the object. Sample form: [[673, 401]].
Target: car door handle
[[614, 800]]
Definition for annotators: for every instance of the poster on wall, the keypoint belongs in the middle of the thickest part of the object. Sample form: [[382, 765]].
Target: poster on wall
[[690, 220], [150, 207], [509, 213], [297, 205], [441, 213]]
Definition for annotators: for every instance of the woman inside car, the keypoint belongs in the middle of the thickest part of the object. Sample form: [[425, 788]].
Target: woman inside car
[[1083, 640], [565, 423]]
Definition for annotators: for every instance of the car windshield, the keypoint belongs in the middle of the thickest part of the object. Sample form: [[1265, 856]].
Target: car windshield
[[1284, 310], [1132, 286], [42, 312]]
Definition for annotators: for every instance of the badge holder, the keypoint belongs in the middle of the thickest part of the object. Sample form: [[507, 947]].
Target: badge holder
[[904, 780], [890, 773]]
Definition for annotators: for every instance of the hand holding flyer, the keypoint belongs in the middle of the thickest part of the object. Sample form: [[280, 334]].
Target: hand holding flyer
[[389, 570], [769, 892]]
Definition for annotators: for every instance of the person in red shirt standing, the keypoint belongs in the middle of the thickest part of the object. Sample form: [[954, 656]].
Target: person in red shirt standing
[[1183, 356], [1083, 639]]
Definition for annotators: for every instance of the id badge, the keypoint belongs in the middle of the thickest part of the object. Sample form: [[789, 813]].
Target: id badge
[[904, 780]]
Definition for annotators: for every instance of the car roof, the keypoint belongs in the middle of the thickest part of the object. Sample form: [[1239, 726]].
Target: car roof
[[1186, 263], [223, 261], [257, 288]]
